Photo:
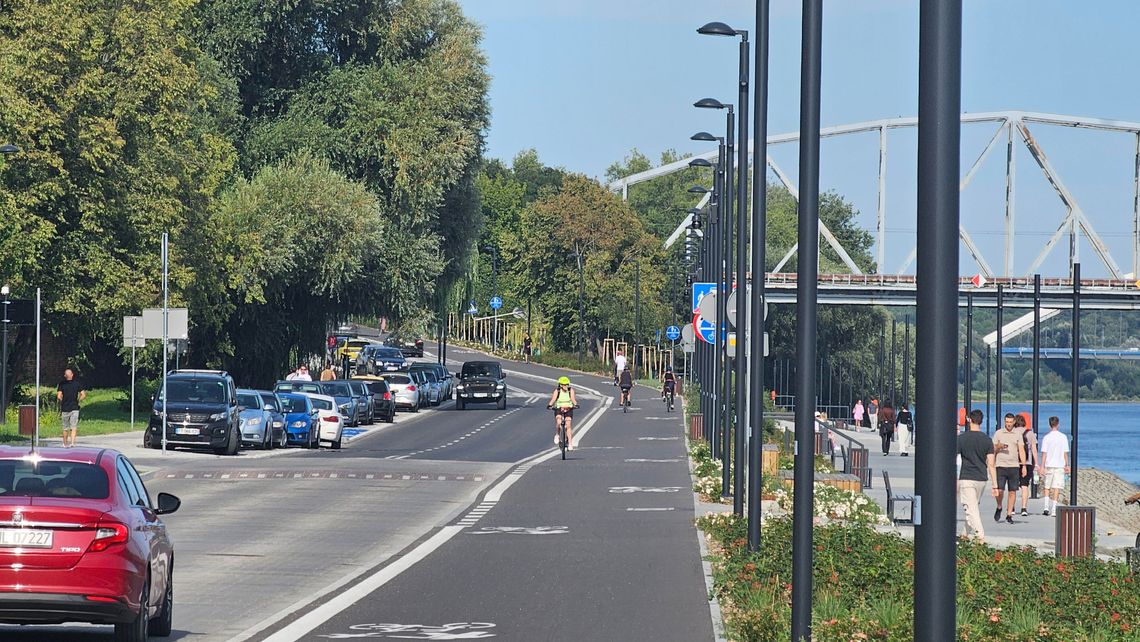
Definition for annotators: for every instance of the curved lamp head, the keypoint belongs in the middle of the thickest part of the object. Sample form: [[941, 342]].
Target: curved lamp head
[[717, 29], [695, 211], [704, 136], [700, 162], [9, 149], [709, 103], [697, 189]]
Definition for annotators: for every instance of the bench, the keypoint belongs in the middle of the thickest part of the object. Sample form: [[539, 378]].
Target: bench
[[859, 465], [893, 499]]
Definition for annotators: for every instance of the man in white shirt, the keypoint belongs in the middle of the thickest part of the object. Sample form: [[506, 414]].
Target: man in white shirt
[[300, 374], [619, 365], [1055, 457]]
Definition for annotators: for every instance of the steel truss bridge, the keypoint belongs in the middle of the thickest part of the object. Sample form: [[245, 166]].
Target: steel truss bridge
[[1012, 129]]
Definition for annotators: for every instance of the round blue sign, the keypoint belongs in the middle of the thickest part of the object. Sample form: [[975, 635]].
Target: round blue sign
[[496, 303], [672, 333]]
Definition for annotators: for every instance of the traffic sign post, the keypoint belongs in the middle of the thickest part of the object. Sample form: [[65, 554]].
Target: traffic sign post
[[496, 303]]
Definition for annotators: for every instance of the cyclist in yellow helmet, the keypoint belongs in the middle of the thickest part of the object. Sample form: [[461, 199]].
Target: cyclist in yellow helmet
[[563, 400]]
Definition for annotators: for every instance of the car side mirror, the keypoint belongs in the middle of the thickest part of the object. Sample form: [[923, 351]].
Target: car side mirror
[[167, 504]]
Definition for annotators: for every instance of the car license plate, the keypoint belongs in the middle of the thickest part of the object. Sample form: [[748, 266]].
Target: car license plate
[[185, 431], [482, 394], [23, 538]]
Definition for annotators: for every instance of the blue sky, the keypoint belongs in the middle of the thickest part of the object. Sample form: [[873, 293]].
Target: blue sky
[[586, 81]]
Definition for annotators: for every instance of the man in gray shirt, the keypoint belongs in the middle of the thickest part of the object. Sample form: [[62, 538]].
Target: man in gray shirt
[[977, 452]]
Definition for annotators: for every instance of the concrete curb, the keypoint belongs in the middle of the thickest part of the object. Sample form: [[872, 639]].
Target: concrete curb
[[714, 604]]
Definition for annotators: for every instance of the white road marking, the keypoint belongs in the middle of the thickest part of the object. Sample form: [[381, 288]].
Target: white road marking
[[658, 438], [648, 510], [652, 461], [640, 489], [523, 530]]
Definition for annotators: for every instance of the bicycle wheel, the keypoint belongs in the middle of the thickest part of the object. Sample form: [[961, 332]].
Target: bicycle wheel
[[562, 437]]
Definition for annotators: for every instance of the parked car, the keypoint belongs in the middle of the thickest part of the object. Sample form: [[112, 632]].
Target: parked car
[[427, 390], [201, 410], [383, 403], [363, 401], [408, 347], [481, 382], [298, 387], [378, 359], [331, 424], [351, 349], [83, 542], [346, 401], [256, 421], [405, 390], [300, 419], [445, 379], [434, 385], [276, 417]]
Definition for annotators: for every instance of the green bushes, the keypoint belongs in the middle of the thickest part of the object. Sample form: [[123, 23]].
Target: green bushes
[[864, 584]]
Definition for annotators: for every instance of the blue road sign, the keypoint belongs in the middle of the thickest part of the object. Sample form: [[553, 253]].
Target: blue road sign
[[472, 310], [705, 328], [699, 292], [672, 333], [496, 302]]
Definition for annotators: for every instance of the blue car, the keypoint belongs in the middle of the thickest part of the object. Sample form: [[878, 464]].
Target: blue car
[[300, 420], [347, 400]]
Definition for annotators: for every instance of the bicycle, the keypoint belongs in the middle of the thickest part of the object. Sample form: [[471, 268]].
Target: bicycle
[[626, 394], [667, 398], [563, 444]]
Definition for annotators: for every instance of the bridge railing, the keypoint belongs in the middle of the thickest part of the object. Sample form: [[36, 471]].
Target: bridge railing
[[778, 279]]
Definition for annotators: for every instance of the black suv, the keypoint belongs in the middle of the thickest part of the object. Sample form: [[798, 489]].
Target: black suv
[[408, 347], [481, 382], [202, 411]]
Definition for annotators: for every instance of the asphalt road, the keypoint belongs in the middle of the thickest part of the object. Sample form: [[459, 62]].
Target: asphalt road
[[265, 540]]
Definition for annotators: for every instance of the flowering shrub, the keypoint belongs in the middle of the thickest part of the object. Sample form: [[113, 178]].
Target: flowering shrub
[[707, 471], [864, 585], [837, 504]]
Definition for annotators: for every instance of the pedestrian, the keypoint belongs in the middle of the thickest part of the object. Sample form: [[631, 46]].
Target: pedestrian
[[69, 393], [619, 365], [857, 413], [873, 414], [1029, 443], [904, 421], [1055, 458], [976, 452], [300, 374], [526, 347], [1009, 460], [328, 374], [886, 425]]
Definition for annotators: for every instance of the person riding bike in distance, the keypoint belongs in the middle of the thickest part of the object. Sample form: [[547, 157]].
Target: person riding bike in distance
[[668, 382], [563, 400], [625, 382]]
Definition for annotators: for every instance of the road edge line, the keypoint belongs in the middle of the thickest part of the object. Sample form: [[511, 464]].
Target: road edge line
[[714, 604]]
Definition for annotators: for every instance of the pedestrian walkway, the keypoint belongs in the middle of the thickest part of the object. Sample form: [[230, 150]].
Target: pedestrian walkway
[[1035, 530]]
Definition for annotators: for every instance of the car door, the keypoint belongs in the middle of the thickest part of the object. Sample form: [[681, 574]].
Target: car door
[[146, 525]]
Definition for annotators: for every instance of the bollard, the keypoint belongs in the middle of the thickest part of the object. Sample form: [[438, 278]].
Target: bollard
[[696, 427], [1076, 530]]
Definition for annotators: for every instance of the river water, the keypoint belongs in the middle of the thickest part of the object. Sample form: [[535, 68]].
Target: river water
[[1108, 433]]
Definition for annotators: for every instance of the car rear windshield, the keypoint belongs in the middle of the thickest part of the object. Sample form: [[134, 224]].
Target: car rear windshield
[[401, 380], [195, 391], [298, 386], [28, 478], [377, 387], [336, 389], [292, 404], [389, 353], [481, 370], [322, 404], [248, 400]]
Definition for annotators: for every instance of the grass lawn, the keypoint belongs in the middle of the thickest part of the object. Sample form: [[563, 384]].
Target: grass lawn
[[105, 411]]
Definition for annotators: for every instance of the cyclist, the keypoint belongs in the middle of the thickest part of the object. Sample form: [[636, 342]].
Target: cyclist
[[625, 381], [668, 382], [563, 400]]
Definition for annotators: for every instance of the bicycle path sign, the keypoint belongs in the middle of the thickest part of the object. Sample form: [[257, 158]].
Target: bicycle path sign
[[672, 333], [704, 328], [496, 302]]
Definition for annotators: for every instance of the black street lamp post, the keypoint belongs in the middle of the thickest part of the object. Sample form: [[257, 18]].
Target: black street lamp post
[[5, 150]]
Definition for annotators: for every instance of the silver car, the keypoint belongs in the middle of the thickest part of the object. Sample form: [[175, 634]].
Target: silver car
[[405, 390], [256, 420]]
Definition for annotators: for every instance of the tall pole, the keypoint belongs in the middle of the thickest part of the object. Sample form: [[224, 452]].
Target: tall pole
[[495, 293], [581, 309], [165, 327], [1076, 367], [806, 313], [741, 357], [906, 363], [637, 319], [724, 387], [894, 333], [989, 358], [968, 378], [882, 360], [39, 335], [998, 351], [4, 364], [939, 134], [1036, 366]]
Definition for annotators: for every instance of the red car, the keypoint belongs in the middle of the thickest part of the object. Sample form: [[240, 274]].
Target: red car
[[81, 541]]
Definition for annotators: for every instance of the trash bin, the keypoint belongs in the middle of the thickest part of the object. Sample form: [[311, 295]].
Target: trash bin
[[1076, 528], [696, 427], [27, 421]]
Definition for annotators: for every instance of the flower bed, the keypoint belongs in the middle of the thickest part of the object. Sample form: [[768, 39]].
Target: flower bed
[[864, 585]]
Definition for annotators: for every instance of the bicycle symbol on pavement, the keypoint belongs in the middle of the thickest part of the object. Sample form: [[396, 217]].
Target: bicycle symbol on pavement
[[453, 631]]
